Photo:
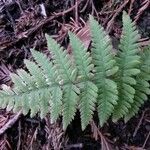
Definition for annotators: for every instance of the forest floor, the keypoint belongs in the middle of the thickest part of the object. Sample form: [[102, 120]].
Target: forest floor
[[23, 24]]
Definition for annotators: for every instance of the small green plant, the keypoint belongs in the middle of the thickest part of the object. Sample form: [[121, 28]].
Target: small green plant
[[114, 86]]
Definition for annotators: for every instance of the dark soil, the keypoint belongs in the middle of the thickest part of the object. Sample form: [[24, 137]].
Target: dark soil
[[23, 26]]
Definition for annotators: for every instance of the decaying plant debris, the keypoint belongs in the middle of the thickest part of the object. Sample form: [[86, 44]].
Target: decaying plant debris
[[23, 25]]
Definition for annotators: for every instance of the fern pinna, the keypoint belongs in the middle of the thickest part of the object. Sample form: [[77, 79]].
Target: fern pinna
[[142, 87], [105, 66], [127, 61], [113, 85]]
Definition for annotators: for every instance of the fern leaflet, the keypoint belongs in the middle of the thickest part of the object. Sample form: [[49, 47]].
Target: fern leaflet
[[89, 92], [142, 88], [128, 62], [67, 74], [50, 75], [105, 66]]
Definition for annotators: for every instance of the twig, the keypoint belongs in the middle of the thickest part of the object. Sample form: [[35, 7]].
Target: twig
[[131, 7], [66, 11], [85, 6], [147, 120], [91, 3], [144, 42], [19, 138], [76, 12], [147, 137], [10, 123], [104, 144], [32, 139], [20, 7], [110, 23], [94, 8], [145, 4], [139, 124], [68, 147], [10, 17], [34, 29]]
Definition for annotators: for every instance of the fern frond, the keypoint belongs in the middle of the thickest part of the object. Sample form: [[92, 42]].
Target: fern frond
[[27, 79], [36, 73], [45, 98], [69, 104], [35, 94], [82, 58], [56, 103], [105, 66], [5, 95], [30, 91], [128, 62], [88, 94], [46, 65], [87, 102], [23, 102], [142, 88], [20, 85], [51, 76], [61, 60], [34, 102], [67, 74], [118, 84]]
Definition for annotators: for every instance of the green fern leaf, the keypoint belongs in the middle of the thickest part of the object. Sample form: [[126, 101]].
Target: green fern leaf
[[24, 100], [62, 60], [45, 102], [56, 93], [27, 79], [10, 105], [118, 84], [87, 103], [82, 58], [6, 100], [142, 88], [56, 103], [36, 73], [69, 104], [34, 103], [20, 85], [3, 98], [88, 95], [105, 67], [46, 65], [128, 62], [67, 74]]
